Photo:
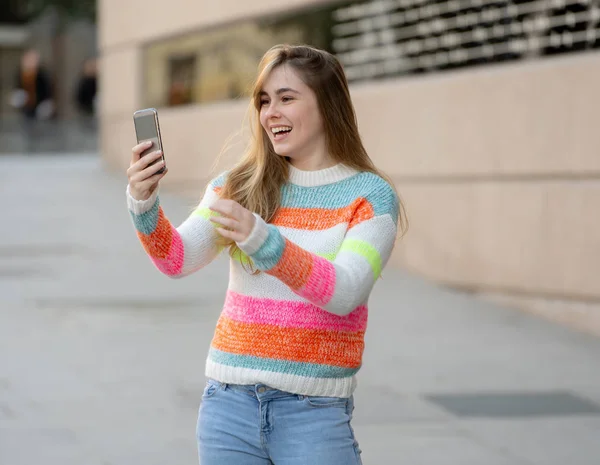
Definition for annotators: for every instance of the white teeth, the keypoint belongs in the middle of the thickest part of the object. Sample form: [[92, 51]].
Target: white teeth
[[280, 128]]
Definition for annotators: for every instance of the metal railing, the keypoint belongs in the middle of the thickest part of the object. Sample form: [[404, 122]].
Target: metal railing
[[390, 37]]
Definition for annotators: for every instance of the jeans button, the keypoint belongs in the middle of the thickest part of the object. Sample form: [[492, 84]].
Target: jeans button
[[261, 389]]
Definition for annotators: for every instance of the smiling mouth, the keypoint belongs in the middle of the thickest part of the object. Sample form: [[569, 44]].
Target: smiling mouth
[[281, 132]]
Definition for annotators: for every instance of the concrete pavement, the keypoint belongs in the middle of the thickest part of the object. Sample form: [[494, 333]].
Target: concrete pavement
[[20, 136], [102, 358]]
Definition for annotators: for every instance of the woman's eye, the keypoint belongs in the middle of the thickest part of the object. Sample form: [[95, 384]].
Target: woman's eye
[[286, 99], [263, 102]]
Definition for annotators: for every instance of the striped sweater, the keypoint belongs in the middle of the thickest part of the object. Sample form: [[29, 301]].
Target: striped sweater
[[299, 324]]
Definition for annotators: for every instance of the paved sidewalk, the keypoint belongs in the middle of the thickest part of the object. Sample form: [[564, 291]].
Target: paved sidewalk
[[19, 136], [101, 357]]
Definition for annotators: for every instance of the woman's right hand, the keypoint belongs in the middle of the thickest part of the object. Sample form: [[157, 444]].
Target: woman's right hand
[[142, 175]]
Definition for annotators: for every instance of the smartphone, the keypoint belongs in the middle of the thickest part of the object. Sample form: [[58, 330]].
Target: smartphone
[[147, 128]]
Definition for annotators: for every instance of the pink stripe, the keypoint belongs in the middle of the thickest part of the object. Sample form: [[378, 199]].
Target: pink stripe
[[321, 283], [289, 314], [173, 263]]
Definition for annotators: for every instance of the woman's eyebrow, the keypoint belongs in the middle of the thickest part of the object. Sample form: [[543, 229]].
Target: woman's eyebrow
[[280, 91], [286, 89]]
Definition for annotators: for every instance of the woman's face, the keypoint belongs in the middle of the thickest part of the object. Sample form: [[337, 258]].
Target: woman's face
[[290, 116]]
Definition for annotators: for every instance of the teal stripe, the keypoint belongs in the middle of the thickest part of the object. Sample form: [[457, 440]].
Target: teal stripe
[[366, 250], [242, 258], [271, 251], [383, 199], [309, 370], [341, 194], [147, 221], [219, 181]]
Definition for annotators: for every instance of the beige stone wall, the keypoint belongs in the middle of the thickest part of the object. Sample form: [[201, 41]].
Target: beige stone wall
[[498, 166]]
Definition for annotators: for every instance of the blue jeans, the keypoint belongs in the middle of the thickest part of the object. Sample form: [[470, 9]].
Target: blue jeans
[[259, 425]]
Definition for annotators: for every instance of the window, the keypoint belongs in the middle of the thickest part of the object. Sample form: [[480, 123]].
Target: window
[[220, 63]]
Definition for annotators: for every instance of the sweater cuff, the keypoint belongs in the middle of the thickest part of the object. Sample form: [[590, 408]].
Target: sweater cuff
[[256, 238], [138, 207]]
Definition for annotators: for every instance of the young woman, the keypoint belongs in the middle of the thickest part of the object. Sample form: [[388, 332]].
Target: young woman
[[309, 223]]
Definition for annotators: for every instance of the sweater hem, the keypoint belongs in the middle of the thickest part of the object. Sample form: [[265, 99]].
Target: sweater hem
[[324, 387]]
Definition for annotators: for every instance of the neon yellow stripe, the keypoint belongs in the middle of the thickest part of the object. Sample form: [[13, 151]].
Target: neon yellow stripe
[[241, 257], [328, 256], [366, 250], [204, 213]]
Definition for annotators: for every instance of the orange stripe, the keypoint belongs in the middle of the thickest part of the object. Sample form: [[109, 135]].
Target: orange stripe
[[159, 242], [324, 218], [364, 211], [294, 267], [335, 348]]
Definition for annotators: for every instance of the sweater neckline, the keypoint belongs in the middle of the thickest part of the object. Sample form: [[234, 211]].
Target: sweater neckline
[[322, 177]]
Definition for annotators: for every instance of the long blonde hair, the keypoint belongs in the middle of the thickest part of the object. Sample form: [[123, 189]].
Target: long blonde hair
[[256, 181]]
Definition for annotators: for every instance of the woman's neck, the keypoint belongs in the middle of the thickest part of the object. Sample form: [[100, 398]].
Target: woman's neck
[[313, 159]]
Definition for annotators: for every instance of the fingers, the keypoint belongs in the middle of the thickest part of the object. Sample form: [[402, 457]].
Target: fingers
[[151, 181], [143, 172], [148, 159], [145, 161], [229, 223], [152, 169], [227, 207], [236, 222], [233, 235], [143, 183], [136, 152]]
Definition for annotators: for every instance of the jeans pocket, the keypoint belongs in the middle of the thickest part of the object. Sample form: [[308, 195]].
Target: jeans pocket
[[322, 402], [210, 389]]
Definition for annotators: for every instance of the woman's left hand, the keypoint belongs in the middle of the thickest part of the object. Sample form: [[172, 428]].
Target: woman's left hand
[[237, 222]]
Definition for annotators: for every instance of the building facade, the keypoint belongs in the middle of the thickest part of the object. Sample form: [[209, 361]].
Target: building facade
[[482, 112]]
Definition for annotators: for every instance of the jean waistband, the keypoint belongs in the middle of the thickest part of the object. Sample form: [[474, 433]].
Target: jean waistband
[[257, 390]]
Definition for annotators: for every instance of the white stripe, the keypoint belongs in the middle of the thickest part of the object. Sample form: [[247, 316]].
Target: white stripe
[[261, 285], [140, 206], [330, 175], [209, 197], [199, 243], [325, 241], [326, 387], [354, 281], [199, 237]]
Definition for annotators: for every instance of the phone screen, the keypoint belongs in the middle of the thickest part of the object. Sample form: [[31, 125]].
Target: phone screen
[[145, 127]]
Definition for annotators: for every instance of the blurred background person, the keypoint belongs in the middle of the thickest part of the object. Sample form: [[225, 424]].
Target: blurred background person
[[87, 87], [33, 89]]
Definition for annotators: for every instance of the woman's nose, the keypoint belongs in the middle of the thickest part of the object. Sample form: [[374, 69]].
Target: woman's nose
[[272, 112]]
